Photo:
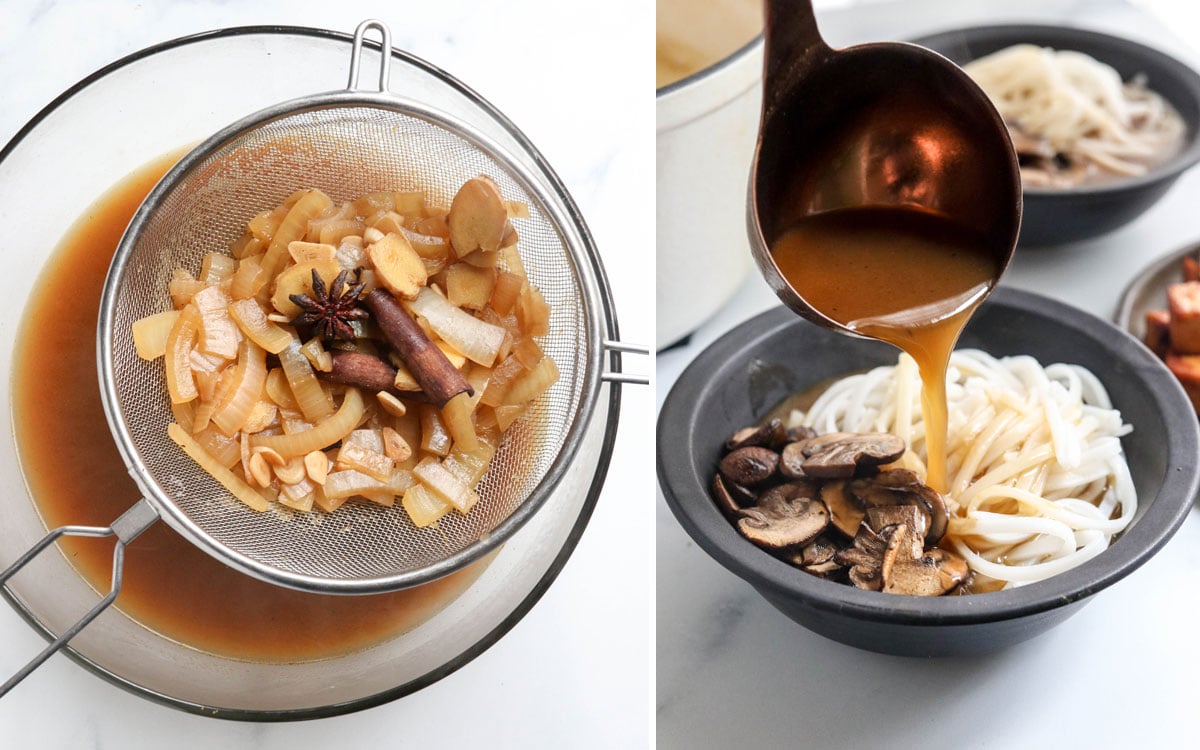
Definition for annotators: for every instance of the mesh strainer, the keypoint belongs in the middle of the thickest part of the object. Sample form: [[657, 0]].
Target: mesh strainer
[[344, 143]]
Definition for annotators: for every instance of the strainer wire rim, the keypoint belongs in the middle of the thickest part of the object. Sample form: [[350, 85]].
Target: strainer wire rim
[[603, 459]]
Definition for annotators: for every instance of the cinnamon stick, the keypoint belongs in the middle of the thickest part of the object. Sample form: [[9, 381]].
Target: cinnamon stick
[[361, 370], [429, 367]]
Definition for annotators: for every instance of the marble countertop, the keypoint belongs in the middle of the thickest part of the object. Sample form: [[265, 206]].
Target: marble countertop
[[573, 672], [734, 672]]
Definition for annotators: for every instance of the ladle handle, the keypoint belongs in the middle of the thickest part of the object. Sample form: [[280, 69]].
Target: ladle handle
[[126, 528], [385, 53], [793, 46]]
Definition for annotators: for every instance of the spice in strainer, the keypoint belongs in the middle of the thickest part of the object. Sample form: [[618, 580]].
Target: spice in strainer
[[374, 349]]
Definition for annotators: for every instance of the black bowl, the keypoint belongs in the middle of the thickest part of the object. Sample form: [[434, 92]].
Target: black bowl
[[1058, 216], [747, 371]]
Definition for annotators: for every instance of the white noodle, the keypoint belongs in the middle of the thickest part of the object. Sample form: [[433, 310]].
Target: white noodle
[[1074, 106], [1036, 470]]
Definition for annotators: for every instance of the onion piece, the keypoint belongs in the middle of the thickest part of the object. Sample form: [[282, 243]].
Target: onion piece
[[456, 415], [424, 507], [533, 383], [326, 432], [150, 334], [218, 333], [181, 384], [227, 478], [251, 318], [307, 390], [246, 387], [477, 340], [445, 485]]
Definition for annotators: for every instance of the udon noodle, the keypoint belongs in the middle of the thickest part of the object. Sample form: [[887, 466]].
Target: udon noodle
[[1038, 480], [1072, 118]]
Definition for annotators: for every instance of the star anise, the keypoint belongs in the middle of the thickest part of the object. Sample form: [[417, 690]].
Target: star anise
[[330, 312]]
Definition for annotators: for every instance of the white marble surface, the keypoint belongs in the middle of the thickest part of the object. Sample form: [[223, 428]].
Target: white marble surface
[[734, 672], [574, 672]]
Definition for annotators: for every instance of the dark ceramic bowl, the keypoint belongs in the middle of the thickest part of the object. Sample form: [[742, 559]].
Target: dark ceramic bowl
[[1059, 216], [748, 370]]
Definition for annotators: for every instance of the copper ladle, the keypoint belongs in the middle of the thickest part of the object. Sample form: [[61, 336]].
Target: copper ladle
[[881, 124]]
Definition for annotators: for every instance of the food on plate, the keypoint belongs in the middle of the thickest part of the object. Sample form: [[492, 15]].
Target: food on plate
[[1174, 333], [1073, 120], [374, 348], [1037, 479]]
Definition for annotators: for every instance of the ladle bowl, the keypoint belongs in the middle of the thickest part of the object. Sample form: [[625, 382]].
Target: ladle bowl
[[881, 124]]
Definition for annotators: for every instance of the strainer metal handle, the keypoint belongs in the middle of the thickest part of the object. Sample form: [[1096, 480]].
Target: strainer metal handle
[[126, 528], [385, 61], [625, 377]]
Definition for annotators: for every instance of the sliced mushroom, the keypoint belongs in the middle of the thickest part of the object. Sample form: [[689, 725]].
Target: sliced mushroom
[[749, 466], [912, 517], [817, 556], [785, 516], [791, 460], [869, 556], [932, 573], [770, 435], [845, 510], [904, 487], [841, 455], [730, 507]]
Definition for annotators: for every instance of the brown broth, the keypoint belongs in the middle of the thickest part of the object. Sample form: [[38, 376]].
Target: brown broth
[[901, 275], [76, 476]]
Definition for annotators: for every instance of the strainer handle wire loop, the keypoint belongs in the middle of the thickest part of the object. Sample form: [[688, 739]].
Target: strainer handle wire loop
[[625, 377], [385, 53], [126, 528]]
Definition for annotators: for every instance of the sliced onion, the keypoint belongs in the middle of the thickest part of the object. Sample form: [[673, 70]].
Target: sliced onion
[[307, 390], [325, 433], [150, 334], [218, 333], [181, 384], [456, 414], [227, 478], [424, 507], [533, 383], [250, 317], [479, 341], [245, 389], [445, 485]]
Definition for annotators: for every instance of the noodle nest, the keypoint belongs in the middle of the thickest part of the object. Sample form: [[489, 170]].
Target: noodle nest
[[1038, 482]]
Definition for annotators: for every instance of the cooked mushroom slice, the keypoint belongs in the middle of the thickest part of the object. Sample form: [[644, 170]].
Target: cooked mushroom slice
[[872, 556], [840, 455], [749, 466], [786, 515], [770, 435], [791, 460], [725, 501], [817, 556], [845, 510], [933, 573], [904, 487], [913, 517]]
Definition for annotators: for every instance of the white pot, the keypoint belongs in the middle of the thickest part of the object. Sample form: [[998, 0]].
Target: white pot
[[707, 125]]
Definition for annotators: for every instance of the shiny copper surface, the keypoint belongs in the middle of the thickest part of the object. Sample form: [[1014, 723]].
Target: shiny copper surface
[[882, 124]]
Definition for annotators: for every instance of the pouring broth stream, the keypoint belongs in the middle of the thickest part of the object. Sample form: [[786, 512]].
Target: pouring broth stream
[[898, 274]]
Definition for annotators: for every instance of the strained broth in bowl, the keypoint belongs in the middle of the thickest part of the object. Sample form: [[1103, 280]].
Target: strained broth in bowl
[[76, 476]]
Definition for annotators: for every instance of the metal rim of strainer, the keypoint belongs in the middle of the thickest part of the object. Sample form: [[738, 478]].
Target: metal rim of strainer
[[159, 497], [603, 291]]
